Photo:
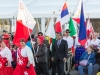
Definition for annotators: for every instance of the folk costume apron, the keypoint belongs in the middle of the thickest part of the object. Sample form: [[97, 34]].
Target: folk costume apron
[[21, 66], [4, 69]]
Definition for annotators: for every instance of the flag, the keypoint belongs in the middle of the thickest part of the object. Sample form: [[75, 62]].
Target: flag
[[25, 24], [50, 30], [72, 27], [72, 32], [62, 19], [89, 28], [77, 14], [82, 29]]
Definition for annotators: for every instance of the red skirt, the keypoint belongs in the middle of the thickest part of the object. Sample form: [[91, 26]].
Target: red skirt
[[24, 71], [6, 71]]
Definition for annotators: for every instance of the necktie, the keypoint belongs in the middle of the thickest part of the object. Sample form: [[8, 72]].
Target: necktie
[[58, 43]]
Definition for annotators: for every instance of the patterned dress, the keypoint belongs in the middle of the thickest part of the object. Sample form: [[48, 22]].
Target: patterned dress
[[78, 52]]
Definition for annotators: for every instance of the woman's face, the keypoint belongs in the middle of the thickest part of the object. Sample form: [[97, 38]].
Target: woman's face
[[94, 35], [22, 43], [89, 49], [3, 44]]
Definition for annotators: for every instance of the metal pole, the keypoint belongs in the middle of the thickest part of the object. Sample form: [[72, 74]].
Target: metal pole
[[43, 25]]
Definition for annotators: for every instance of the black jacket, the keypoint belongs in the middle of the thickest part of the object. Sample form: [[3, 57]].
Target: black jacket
[[97, 56], [41, 54], [61, 52]]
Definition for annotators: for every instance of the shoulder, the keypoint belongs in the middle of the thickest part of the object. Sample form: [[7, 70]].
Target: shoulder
[[98, 39], [27, 48], [93, 53], [7, 49], [44, 45], [70, 37], [84, 53], [64, 41]]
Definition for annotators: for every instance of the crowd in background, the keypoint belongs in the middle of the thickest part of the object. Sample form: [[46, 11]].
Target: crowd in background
[[52, 60]]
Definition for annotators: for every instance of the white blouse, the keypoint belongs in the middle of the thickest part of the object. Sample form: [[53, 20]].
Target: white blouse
[[6, 53], [95, 42], [27, 52]]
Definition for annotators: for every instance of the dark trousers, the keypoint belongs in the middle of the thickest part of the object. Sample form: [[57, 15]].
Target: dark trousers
[[60, 67], [42, 67], [54, 68]]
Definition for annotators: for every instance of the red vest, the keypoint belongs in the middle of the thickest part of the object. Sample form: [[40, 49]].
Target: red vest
[[22, 61]]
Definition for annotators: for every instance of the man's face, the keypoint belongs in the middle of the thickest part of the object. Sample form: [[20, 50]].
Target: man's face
[[67, 33], [58, 36], [64, 33], [4, 32]]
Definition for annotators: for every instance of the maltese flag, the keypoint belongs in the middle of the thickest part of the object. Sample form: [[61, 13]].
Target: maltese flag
[[24, 25]]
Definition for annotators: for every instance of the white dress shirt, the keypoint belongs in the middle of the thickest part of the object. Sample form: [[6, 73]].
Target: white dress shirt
[[69, 40]]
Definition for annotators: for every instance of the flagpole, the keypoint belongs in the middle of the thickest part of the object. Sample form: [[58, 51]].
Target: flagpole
[[28, 27]]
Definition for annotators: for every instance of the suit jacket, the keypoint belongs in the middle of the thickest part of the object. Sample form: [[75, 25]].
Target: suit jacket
[[61, 52], [41, 54]]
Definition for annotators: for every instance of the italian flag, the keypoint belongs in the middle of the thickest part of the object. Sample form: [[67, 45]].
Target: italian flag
[[73, 31]]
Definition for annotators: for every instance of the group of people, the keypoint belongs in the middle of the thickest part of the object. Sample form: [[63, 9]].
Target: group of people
[[36, 56]]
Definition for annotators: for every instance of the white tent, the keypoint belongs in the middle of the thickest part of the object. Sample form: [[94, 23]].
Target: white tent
[[45, 8]]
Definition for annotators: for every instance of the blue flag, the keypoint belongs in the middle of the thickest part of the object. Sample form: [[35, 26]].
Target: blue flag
[[82, 29]]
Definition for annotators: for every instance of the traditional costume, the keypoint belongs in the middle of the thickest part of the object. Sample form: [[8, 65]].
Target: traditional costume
[[24, 55], [5, 61], [5, 38], [78, 52]]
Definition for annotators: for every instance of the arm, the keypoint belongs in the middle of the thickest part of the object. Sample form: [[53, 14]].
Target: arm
[[66, 49], [42, 52], [30, 55], [82, 56], [9, 56], [71, 43], [53, 51]]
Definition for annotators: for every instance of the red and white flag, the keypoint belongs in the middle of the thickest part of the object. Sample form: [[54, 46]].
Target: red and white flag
[[89, 28], [25, 24], [62, 19]]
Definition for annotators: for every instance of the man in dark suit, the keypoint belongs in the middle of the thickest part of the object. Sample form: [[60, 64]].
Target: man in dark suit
[[59, 53]]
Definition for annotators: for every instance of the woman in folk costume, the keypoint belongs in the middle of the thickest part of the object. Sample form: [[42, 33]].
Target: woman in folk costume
[[24, 60], [5, 38], [5, 60], [79, 49]]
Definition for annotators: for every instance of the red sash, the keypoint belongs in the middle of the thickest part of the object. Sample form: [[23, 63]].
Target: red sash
[[22, 61]]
